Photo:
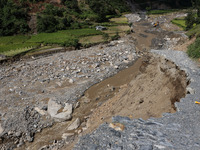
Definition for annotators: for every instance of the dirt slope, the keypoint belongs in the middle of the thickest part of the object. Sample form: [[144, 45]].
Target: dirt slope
[[150, 94]]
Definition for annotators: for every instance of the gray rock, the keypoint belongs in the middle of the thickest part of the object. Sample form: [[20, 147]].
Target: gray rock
[[54, 108], [190, 90], [74, 125], [1, 129], [41, 112], [96, 65], [71, 81], [65, 136]]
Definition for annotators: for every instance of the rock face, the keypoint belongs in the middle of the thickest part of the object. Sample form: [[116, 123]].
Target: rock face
[[55, 110]]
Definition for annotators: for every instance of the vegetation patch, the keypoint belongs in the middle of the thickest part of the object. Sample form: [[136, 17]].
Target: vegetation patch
[[12, 45], [121, 20], [160, 12], [179, 22], [194, 49], [195, 31]]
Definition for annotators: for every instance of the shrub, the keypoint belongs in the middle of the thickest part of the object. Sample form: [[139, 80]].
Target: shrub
[[71, 43], [115, 37], [190, 20], [194, 49], [105, 36]]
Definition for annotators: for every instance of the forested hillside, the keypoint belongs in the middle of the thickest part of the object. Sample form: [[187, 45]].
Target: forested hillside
[[53, 15]]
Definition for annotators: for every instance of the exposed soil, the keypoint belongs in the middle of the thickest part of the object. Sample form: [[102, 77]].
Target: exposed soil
[[154, 91]]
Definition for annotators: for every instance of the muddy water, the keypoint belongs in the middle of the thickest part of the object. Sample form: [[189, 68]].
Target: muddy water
[[93, 98]]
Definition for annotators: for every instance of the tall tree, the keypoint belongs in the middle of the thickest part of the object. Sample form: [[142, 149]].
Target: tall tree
[[13, 18]]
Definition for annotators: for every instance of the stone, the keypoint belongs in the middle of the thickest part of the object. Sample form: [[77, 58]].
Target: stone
[[77, 105], [117, 126], [130, 57], [190, 90], [53, 107], [116, 67], [95, 65], [55, 110], [1, 129], [65, 136], [86, 100], [41, 112], [74, 125], [71, 81]]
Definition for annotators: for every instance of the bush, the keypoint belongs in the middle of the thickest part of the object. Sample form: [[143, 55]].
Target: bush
[[105, 36], [71, 43], [194, 49], [190, 20], [47, 23], [115, 37]]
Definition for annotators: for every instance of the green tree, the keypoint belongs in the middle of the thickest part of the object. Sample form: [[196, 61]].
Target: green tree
[[190, 20], [13, 18], [196, 5]]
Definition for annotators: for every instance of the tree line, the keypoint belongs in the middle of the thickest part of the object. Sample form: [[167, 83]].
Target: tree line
[[193, 17], [14, 15]]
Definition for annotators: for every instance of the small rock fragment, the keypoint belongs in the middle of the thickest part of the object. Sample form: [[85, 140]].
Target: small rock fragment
[[117, 126], [75, 124], [67, 135], [1, 129], [190, 90], [41, 112], [71, 81], [77, 105]]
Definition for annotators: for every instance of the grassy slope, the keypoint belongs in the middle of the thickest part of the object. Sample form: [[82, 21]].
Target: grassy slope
[[180, 23], [194, 49], [157, 12], [12, 45]]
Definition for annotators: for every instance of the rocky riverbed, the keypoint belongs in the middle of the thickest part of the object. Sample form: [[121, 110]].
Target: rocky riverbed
[[27, 86]]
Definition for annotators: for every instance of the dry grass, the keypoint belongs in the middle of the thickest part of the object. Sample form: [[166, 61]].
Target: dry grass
[[121, 20], [91, 39]]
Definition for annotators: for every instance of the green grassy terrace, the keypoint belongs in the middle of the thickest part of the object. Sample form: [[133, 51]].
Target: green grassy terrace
[[13, 45]]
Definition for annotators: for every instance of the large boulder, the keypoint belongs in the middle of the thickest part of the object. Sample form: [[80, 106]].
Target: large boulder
[[58, 112]]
